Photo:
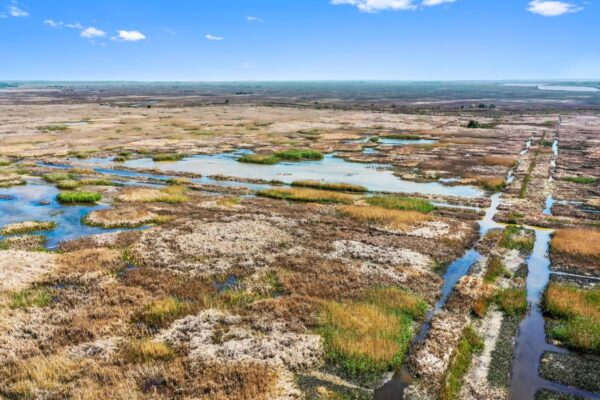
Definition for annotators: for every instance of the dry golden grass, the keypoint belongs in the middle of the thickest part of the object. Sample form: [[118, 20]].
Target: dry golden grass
[[120, 217], [577, 242], [503, 161], [308, 195], [567, 300], [392, 219], [171, 194], [145, 350], [363, 330], [492, 183], [90, 260]]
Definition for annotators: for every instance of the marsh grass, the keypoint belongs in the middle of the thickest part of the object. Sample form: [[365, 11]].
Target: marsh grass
[[502, 161], [513, 301], [160, 313], [341, 187], [286, 155], [97, 182], [402, 137], [265, 159], [491, 183], [5, 161], [495, 269], [54, 177], [27, 227], [68, 184], [392, 219], [517, 238], [584, 180], [366, 338], [32, 297], [53, 128], [469, 345], [145, 350], [161, 157], [171, 194], [579, 243], [576, 314], [299, 155], [401, 203], [72, 197], [307, 195]]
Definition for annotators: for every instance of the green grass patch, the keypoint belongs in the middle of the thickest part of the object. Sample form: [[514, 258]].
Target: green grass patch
[[161, 313], [517, 238], [576, 316], [32, 297], [161, 157], [473, 124], [78, 197], [513, 301], [54, 177], [401, 203], [68, 184], [469, 345], [584, 180], [265, 159], [366, 338], [299, 155], [495, 269], [341, 187]]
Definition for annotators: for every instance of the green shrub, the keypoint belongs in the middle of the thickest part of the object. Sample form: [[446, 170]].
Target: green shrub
[[299, 155]]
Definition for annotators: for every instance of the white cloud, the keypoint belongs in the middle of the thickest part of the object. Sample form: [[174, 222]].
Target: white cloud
[[131, 36], [254, 19], [76, 25], [552, 8], [213, 37], [91, 33], [16, 11], [429, 3], [53, 24], [378, 5]]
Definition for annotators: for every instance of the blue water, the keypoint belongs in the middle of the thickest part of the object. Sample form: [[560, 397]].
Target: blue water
[[376, 177], [37, 202]]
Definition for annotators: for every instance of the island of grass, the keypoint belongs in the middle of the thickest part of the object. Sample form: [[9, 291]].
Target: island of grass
[[307, 195], [574, 316], [401, 203], [402, 137], [27, 227], [161, 157], [340, 187], [72, 197], [286, 155], [584, 180]]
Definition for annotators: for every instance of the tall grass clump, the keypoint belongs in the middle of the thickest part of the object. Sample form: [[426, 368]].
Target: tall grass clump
[[78, 197], [495, 269], [341, 187], [67, 184], [366, 338], [401, 203], [578, 243], [575, 314], [307, 195], [469, 345], [402, 137], [144, 350], [491, 183]]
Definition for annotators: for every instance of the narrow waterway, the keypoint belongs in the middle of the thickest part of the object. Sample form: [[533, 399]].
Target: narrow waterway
[[531, 340], [394, 388]]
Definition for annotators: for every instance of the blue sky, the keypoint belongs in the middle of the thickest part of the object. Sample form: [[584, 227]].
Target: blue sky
[[299, 39]]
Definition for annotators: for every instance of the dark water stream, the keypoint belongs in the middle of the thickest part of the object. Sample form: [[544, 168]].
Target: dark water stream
[[394, 388]]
